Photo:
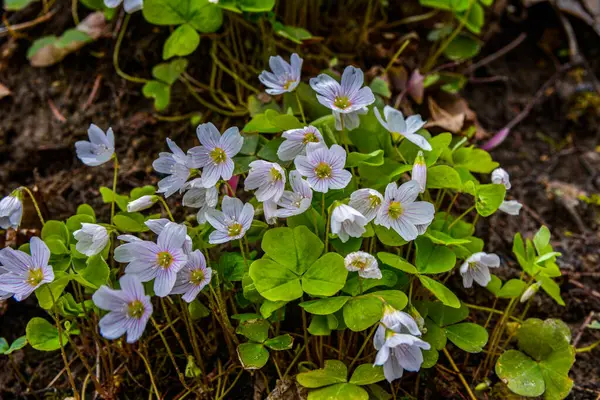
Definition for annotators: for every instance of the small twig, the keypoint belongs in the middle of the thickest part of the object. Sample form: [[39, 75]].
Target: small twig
[[17, 27], [503, 133], [582, 328], [580, 285], [494, 56], [55, 112], [94, 92]]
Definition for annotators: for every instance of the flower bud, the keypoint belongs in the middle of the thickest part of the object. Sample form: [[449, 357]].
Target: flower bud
[[142, 203], [419, 171], [11, 210], [530, 292]]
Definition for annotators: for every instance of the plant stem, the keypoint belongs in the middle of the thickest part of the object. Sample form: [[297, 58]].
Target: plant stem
[[121, 73], [396, 55], [461, 217], [587, 348], [300, 107], [114, 187], [171, 356], [35, 204], [166, 207], [460, 375], [149, 369], [362, 348], [62, 346]]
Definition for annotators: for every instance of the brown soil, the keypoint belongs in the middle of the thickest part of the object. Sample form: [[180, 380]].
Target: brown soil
[[551, 159]]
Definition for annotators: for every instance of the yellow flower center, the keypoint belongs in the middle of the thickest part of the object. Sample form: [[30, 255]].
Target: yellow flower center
[[310, 138], [395, 210], [342, 102], [234, 229], [323, 170], [360, 264], [136, 309], [164, 259], [196, 277], [275, 175], [35, 277], [218, 155], [288, 83], [374, 201]]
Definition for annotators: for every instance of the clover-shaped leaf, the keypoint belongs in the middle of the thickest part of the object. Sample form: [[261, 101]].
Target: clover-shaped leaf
[[331, 382], [292, 266], [252, 355], [542, 366], [364, 311]]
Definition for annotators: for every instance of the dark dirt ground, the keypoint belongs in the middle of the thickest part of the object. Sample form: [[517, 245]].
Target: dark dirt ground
[[551, 158]]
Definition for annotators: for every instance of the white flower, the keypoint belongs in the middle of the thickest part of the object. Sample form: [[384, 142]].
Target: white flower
[[130, 6], [232, 223], [398, 352], [324, 168], [367, 202], [395, 123], [419, 171], [177, 165], [270, 211], [401, 212], [501, 177], [402, 321], [160, 261], [531, 290], [364, 263], [157, 226], [99, 149], [199, 196], [511, 207], [215, 154], [91, 239], [346, 100], [296, 141], [25, 273], [11, 210], [285, 76], [268, 178], [346, 222], [142, 203], [129, 309], [193, 277], [476, 268], [298, 200]]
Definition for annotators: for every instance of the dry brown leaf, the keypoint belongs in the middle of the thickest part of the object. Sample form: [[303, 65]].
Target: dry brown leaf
[[444, 119], [4, 91], [93, 26]]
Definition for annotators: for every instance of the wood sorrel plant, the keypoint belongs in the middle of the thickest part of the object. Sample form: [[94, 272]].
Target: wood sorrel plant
[[334, 261]]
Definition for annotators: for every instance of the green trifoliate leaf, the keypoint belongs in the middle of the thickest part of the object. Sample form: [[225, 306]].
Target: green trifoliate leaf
[[443, 315], [539, 338], [443, 177], [45, 299], [18, 344], [467, 336], [474, 160], [346, 391], [160, 92], [296, 249], [520, 373], [388, 237], [440, 291], [374, 159], [256, 330], [282, 342], [326, 276], [397, 262], [489, 198], [43, 336], [252, 355], [169, 72], [274, 281], [512, 288], [334, 372], [433, 259], [198, 310], [435, 335], [182, 42], [325, 306], [362, 312], [355, 283], [367, 374], [200, 14]]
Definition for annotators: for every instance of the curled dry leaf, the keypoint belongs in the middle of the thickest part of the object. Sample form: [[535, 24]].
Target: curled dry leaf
[[50, 50], [444, 119], [4, 91]]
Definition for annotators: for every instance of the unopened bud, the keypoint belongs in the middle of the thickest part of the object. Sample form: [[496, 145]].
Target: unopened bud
[[142, 203]]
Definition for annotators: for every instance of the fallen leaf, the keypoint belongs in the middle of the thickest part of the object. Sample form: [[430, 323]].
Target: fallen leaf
[[4, 91], [50, 50], [415, 87], [444, 119]]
